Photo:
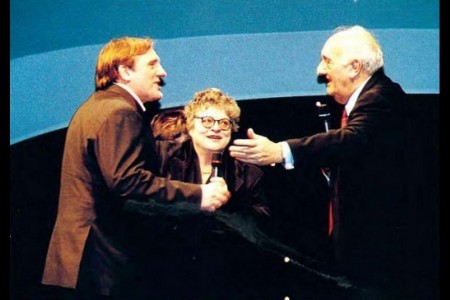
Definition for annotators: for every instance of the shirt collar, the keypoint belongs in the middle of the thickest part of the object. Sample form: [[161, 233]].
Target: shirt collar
[[138, 100], [352, 101]]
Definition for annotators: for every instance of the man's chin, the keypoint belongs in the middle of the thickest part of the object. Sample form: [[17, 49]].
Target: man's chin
[[158, 96], [155, 97]]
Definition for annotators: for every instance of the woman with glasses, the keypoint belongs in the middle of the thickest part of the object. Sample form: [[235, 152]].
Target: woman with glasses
[[211, 119], [207, 254]]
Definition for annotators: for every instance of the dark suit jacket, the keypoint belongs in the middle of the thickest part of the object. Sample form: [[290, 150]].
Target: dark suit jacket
[[371, 182], [244, 181], [109, 155]]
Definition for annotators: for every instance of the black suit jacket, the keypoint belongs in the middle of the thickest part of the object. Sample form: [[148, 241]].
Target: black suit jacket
[[368, 156], [244, 181]]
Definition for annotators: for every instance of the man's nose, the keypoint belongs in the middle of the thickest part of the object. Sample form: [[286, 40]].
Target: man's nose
[[320, 70], [162, 73]]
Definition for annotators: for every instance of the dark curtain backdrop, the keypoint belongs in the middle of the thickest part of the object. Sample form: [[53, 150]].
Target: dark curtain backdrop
[[298, 199]]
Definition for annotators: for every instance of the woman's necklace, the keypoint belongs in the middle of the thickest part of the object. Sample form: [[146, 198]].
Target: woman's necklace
[[206, 171], [205, 175]]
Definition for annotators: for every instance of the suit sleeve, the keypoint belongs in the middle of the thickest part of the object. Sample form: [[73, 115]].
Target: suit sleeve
[[371, 123], [120, 148]]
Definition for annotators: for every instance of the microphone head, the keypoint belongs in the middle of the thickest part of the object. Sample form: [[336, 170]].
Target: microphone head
[[216, 163], [322, 79], [323, 110], [216, 158]]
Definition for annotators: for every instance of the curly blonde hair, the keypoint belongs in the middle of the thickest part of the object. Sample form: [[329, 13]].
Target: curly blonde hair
[[212, 97]]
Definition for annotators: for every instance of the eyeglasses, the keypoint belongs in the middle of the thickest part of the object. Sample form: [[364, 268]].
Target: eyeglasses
[[208, 122]]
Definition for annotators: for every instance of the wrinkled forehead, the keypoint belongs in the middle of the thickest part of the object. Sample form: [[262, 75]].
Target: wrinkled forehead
[[149, 57], [331, 49]]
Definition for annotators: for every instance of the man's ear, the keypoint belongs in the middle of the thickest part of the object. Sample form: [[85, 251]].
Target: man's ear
[[356, 68], [124, 72]]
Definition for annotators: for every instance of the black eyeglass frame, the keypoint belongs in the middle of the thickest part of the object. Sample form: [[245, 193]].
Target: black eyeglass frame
[[224, 124]]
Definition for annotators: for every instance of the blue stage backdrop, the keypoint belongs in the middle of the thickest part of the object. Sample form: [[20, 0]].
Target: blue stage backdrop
[[249, 49]]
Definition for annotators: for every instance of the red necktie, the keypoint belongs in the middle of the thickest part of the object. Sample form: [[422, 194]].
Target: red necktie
[[330, 208], [344, 118]]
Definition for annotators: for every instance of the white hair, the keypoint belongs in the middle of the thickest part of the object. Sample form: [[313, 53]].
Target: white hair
[[360, 44]]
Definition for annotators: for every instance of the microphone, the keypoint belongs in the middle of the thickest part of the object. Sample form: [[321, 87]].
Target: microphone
[[324, 114], [216, 163]]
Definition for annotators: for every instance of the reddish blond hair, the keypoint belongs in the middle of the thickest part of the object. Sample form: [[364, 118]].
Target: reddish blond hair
[[120, 51]]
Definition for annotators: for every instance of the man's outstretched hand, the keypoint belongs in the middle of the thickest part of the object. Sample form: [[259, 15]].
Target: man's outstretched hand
[[257, 149]]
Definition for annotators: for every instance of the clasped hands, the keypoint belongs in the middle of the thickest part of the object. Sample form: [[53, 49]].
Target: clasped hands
[[214, 194]]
